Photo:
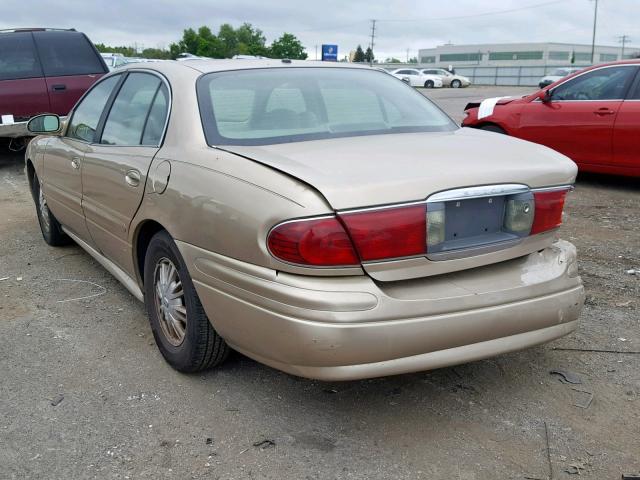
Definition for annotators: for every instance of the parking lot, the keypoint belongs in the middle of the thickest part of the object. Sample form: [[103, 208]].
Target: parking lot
[[85, 392]]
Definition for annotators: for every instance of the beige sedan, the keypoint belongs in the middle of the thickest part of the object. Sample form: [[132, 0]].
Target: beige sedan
[[287, 210], [448, 79]]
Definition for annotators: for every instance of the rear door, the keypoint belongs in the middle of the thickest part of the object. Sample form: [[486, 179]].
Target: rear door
[[115, 167], [23, 91], [626, 132], [579, 119], [71, 65]]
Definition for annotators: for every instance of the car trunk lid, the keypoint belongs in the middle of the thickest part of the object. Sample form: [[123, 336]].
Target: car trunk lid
[[366, 171]]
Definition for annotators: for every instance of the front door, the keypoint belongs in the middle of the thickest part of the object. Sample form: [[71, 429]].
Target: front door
[[626, 154], [63, 164], [115, 167], [578, 120]]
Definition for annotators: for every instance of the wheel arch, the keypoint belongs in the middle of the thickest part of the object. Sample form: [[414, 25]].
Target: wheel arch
[[143, 235], [493, 124], [31, 174]]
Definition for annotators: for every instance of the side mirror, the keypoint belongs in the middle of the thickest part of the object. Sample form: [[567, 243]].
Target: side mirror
[[545, 96], [46, 123]]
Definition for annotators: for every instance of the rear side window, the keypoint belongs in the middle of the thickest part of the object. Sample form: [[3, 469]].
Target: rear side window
[[67, 53], [154, 128], [18, 58], [131, 109]]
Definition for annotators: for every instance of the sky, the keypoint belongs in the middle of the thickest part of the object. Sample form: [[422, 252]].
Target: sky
[[401, 24]]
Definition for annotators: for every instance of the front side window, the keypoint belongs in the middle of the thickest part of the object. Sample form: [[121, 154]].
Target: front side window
[[267, 106], [86, 116], [18, 57], [127, 119], [601, 84]]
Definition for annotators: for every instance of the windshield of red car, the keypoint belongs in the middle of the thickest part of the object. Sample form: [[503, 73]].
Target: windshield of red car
[[277, 105]]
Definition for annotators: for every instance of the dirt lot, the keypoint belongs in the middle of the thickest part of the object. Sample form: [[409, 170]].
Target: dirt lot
[[84, 393]]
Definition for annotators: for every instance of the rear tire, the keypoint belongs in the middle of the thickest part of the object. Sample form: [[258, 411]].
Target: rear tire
[[493, 128], [179, 324], [428, 84], [456, 84], [49, 225]]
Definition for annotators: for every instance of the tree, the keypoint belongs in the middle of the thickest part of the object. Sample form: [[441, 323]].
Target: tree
[[229, 41], [251, 40], [287, 46], [392, 60], [126, 51], [359, 56], [368, 56], [413, 60]]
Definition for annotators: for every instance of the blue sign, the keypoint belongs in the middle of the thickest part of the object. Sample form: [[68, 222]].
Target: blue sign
[[329, 53]]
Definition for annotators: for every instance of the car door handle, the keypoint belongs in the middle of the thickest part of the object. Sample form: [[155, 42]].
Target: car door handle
[[58, 88], [132, 177], [604, 111], [75, 162]]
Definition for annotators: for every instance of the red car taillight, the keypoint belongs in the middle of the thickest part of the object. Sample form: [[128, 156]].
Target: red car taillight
[[388, 233], [319, 242], [548, 210], [373, 234]]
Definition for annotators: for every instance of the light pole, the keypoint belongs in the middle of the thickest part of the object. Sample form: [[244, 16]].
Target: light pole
[[623, 39], [593, 38]]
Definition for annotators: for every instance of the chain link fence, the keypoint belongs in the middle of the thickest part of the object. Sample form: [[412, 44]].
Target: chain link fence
[[526, 76]]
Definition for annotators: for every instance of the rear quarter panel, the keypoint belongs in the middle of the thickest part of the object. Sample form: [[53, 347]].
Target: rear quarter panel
[[227, 204]]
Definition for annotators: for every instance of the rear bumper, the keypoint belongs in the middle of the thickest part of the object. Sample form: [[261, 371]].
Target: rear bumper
[[352, 327]]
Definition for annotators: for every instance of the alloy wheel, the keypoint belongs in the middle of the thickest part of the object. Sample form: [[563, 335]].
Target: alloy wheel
[[170, 301]]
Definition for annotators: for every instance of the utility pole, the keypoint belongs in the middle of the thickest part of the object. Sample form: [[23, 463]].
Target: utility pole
[[407, 55], [373, 36], [316, 52], [593, 38], [623, 39]]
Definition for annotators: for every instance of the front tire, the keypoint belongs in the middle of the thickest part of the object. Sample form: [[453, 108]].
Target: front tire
[[456, 84], [428, 84], [49, 225], [179, 324]]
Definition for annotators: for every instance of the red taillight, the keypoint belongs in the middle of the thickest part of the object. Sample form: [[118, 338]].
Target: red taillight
[[320, 242], [548, 211], [388, 233]]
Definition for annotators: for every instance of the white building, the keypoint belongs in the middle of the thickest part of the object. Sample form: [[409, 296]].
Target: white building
[[520, 54]]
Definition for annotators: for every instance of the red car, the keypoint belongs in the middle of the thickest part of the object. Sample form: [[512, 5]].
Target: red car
[[43, 71], [592, 116]]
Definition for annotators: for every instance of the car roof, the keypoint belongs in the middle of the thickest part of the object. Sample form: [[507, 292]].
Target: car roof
[[36, 29], [215, 65]]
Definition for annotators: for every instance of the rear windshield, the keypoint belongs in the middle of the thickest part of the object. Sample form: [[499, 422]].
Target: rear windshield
[[18, 57], [267, 106], [67, 53]]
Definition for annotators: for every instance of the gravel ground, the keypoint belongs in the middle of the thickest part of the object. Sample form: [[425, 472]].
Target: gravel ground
[[84, 392]]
